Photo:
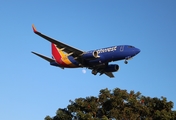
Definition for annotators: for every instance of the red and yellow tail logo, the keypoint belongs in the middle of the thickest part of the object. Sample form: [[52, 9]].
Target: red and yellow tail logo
[[61, 57], [55, 52]]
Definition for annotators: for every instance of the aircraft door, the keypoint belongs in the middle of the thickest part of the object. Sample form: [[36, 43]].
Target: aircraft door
[[121, 48]]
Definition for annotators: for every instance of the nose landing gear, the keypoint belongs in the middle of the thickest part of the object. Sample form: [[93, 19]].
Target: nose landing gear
[[126, 62], [127, 58]]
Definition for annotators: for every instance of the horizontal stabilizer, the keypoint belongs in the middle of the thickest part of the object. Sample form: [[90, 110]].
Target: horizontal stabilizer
[[44, 57]]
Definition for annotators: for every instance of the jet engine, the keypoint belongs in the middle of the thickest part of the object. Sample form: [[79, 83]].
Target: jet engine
[[112, 68], [90, 55]]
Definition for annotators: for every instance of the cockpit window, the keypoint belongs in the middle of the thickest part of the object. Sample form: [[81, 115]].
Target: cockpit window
[[130, 46]]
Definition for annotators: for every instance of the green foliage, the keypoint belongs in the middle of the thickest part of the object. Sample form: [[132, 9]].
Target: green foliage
[[48, 118], [117, 105]]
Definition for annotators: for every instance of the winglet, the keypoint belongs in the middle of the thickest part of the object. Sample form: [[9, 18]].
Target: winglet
[[34, 29]]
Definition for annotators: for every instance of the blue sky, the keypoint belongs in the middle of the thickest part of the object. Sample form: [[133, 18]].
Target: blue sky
[[31, 89]]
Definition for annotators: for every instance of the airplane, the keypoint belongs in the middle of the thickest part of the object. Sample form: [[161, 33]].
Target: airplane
[[65, 56]]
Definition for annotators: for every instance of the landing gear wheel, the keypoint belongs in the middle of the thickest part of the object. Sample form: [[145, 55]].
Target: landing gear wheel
[[126, 62], [94, 72]]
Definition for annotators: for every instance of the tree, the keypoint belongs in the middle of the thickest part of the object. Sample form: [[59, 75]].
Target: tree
[[117, 105]]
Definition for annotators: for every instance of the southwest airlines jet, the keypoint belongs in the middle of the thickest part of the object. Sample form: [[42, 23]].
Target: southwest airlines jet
[[65, 56]]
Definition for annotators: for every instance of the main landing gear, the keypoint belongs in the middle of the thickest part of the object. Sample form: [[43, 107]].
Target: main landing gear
[[94, 72]]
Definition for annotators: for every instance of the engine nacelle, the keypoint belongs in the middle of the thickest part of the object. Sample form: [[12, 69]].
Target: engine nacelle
[[90, 55], [112, 68]]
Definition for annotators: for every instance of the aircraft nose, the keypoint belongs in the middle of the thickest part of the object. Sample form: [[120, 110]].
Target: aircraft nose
[[138, 50]]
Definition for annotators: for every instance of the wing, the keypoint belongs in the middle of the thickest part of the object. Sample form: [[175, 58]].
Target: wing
[[110, 74], [64, 47]]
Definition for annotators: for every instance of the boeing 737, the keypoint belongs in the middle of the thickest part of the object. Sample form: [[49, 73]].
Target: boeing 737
[[65, 56]]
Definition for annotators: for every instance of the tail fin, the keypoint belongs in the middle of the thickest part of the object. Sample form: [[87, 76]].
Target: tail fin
[[55, 52], [61, 57]]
